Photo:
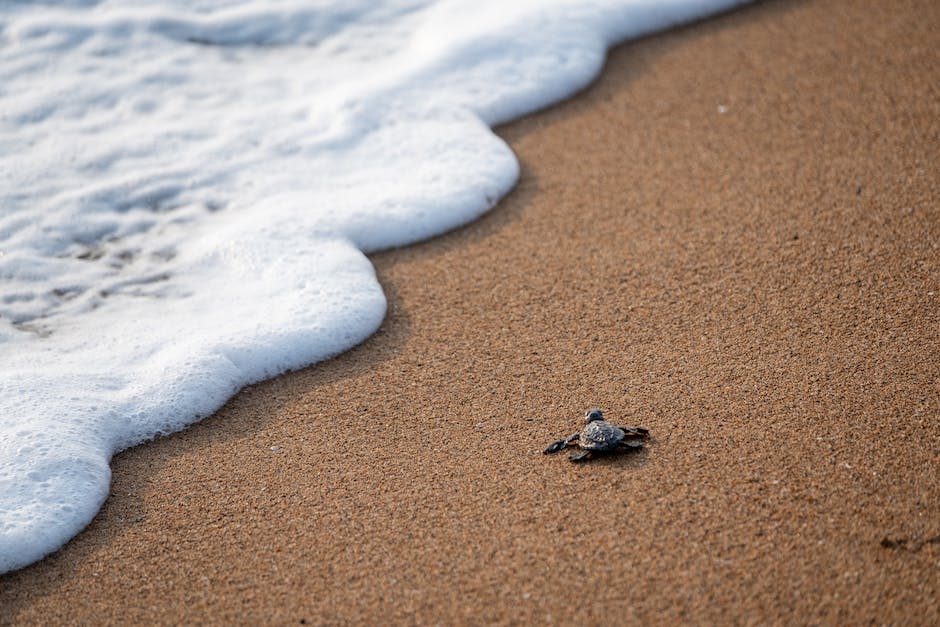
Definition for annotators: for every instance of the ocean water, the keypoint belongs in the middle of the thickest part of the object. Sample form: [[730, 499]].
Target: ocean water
[[188, 188]]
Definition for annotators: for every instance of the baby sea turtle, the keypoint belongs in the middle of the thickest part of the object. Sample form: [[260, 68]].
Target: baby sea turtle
[[599, 436]]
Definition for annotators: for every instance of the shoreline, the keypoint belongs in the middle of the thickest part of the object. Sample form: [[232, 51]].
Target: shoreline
[[730, 238]]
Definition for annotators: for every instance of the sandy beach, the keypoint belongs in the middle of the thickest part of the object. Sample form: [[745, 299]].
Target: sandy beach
[[732, 238]]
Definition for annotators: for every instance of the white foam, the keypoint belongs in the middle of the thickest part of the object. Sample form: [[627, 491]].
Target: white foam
[[187, 189]]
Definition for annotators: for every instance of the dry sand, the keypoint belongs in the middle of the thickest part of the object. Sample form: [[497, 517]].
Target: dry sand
[[733, 239]]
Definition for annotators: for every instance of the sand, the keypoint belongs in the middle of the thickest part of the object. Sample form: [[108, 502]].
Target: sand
[[733, 239]]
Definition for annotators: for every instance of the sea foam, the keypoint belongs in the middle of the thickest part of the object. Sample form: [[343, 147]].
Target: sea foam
[[188, 188]]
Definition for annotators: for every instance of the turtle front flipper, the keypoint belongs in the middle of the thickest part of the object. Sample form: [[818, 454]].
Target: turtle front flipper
[[554, 447], [582, 456]]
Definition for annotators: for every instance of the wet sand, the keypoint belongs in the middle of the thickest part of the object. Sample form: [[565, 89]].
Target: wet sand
[[733, 239]]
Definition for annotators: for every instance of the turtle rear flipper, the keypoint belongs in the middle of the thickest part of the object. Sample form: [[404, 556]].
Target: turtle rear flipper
[[635, 432], [630, 445], [582, 456]]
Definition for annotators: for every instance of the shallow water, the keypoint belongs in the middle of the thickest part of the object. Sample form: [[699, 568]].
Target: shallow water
[[187, 190]]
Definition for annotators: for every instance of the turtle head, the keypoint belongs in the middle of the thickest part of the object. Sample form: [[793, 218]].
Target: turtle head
[[593, 414]]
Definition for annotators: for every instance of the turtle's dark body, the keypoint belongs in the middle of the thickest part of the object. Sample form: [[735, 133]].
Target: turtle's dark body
[[599, 437]]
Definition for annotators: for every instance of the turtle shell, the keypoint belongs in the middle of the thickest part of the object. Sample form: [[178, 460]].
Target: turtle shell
[[600, 435]]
